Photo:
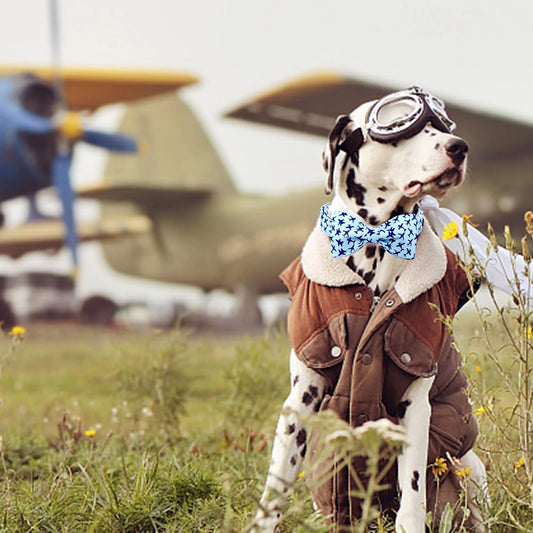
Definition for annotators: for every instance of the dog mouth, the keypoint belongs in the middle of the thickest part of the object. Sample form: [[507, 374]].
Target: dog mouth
[[447, 179]]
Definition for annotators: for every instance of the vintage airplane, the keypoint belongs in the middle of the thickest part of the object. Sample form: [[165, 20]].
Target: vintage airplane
[[498, 189], [40, 122], [204, 232]]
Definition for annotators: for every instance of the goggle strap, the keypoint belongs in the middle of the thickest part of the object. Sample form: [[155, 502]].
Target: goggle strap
[[353, 142]]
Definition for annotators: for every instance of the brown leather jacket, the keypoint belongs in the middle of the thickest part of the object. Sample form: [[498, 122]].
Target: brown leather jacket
[[370, 359]]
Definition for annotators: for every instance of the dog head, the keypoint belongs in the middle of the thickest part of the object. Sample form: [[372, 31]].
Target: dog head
[[376, 166]]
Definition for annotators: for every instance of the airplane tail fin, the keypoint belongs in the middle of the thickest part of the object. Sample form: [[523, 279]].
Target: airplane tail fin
[[177, 157]]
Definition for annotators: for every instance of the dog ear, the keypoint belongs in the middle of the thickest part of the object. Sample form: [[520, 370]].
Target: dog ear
[[336, 136]]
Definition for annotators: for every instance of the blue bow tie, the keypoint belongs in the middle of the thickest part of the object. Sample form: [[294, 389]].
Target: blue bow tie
[[397, 236]]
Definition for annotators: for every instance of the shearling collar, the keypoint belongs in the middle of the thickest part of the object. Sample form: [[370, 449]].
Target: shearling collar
[[421, 273]]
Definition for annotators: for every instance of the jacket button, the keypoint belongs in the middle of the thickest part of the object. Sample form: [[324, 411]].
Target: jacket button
[[336, 351], [405, 358], [389, 303], [362, 418], [357, 295], [366, 358]]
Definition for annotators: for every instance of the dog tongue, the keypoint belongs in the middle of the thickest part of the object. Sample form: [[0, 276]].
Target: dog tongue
[[412, 188]]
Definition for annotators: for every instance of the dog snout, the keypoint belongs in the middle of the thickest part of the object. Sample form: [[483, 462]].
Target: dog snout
[[456, 149]]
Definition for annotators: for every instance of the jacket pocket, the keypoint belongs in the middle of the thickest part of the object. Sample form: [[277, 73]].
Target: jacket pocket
[[327, 347], [408, 352]]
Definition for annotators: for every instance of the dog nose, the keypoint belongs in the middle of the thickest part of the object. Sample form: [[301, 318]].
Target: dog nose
[[456, 148]]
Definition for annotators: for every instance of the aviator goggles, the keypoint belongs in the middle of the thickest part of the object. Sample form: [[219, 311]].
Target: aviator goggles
[[403, 114]]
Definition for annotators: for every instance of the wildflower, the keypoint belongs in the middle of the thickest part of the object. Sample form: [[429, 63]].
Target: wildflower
[[520, 463], [529, 332], [439, 467], [301, 475], [146, 411], [450, 231], [528, 217], [90, 433], [463, 472], [17, 332], [480, 411], [478, 369]]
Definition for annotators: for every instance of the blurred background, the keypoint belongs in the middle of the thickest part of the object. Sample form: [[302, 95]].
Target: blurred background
[[225, 203]]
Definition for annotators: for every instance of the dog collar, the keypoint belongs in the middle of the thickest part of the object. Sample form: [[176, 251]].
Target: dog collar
[[397, 236]]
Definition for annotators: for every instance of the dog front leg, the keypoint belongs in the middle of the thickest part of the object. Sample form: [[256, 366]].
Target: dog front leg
[[288, 450], [414, 413]]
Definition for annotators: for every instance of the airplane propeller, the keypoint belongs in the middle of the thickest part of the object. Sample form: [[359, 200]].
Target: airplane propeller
[[67, 128]]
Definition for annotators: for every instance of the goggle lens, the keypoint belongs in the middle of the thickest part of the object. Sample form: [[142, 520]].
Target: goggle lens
[[397, 112]]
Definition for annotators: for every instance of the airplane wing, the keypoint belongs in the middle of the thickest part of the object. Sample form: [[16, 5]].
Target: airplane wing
[[87, 89], [310, 104], [50, 234], [144, 195]]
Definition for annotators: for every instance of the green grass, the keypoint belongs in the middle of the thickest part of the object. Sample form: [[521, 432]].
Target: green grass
[[182, 430]]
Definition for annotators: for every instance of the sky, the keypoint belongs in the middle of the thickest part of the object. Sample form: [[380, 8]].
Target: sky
[[472, 52]]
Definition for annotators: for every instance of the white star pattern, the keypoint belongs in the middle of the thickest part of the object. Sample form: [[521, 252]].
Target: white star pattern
[[398, 236]]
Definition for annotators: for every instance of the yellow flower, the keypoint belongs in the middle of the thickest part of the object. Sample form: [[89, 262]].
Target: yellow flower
[[529, 332], [301, 475], [90, 433], [450, 231], [439, 466], [17, 331], [478, 369], [464, 472], [520, 463], [480, 411]]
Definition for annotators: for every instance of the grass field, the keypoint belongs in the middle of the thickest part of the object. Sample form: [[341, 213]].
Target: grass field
[[122, 431]]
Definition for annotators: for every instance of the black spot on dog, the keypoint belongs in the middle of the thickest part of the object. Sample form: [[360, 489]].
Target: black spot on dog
[[303, 450], [394, 143], [351, 264], [291, 428], [296, 379], [294, 460], [396, 278], [437, 146], [316, 408], [374, 264], [381, 253], [310, 394], [369, 276], [301, 437], [363, 213], [382, 188], [355, 158], [402, 408], [414, 481], [373, 221], [380, 200], [398, 211], [307, 399], [377, 291], [355, 190], [370, 250]]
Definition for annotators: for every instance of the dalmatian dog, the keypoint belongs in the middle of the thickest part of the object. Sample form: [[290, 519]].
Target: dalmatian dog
[[380, 160]]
